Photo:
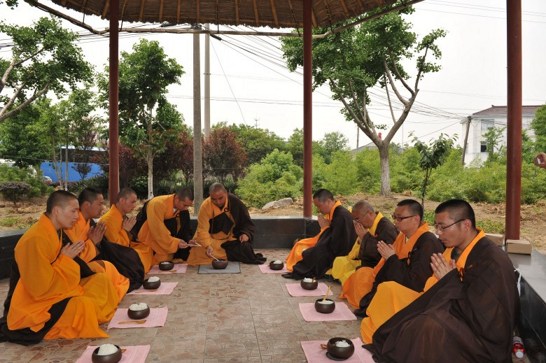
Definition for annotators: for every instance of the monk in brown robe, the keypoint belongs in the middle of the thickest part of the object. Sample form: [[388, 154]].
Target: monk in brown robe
[[336, 240], [154, 233], [91, 203], [224, 230], [48, 298], [396, 265], [469, 314], [370, 227]]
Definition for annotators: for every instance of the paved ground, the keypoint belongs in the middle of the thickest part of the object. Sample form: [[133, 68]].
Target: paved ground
[[246, 317]]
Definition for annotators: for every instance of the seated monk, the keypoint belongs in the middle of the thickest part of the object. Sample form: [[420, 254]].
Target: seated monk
[[48, 296], [91, 203], [156, 232], [469, 314], [119, 225], [370, 227], [295, 254], [396, 263], [224, 230], [336, 240]]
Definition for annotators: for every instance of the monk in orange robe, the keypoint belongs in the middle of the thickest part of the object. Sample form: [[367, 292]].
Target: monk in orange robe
[[48, 298], [396, 264], [155, 234], [469, 314], [91, 203], [119, 225]]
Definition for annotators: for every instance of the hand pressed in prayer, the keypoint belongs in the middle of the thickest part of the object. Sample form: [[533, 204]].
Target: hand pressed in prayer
[[243, 238], [96, 233], [360, 230], [385, 250], [129, 223], [440, 267], [73, 249], [323, 222]]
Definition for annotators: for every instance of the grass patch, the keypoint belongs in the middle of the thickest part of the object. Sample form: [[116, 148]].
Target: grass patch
[[16, 222]]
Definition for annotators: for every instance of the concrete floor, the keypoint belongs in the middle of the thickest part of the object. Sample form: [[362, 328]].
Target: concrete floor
[[246, 317]]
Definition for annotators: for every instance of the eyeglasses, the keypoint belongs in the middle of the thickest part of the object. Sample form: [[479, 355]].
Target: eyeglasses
[[400, 219], [440, 228]]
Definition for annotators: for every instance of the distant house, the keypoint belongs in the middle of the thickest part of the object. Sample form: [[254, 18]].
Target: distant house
[[482, 121]]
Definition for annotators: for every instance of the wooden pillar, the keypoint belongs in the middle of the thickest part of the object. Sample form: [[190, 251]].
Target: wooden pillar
[[514, 133], [113, 136], [307, 110]]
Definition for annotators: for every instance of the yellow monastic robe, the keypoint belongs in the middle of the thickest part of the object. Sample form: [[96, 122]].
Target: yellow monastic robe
[[296, 252], [113, 220], [47, 277], [391, 297], [208, 211], [361, 282], [79, 232], [154, 233], [345, 266]]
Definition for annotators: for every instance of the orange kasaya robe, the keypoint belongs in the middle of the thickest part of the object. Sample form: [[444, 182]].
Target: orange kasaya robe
[[391, 297], [295, 254], [155, 234], [79, 232], [345, 266], [47, 277], [207, 212], [361, 281], [113, 220]]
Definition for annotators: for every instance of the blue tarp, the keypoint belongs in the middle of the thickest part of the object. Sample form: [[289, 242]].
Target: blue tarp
[[73, 176]]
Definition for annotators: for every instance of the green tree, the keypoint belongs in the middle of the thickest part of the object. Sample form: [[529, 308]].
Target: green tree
[[294, 145], [432, 156], [331, 143], [256, 142], [361, 57], [22, 138], [147, 120], [223, 155], [44, 58], [340, 175], [492, 137], [539, 127]]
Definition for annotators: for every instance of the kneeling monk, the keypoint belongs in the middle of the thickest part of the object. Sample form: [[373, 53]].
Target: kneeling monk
[[48, 298]]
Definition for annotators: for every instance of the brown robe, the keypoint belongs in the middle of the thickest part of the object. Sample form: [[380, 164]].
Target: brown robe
[[465, 317]]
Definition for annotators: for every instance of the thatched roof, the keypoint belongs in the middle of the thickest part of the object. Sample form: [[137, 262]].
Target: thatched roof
[[256, 13]]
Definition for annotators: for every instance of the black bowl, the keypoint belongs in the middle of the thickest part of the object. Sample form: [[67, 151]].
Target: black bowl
[[166, 265], [340, 352], [151, 285], [109, 358], [309, 285], [138, 314], [325, 308], [219, 264], [276, 266]]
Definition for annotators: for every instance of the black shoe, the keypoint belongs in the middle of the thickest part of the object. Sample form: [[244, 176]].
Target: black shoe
[[361, 313], [292, 275]]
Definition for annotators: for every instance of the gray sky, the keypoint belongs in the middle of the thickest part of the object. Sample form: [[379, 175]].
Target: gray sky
[[250, 83]]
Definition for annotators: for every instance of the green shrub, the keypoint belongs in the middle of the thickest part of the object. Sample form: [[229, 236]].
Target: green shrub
[[28, 175], [368, 171], [15, 191]]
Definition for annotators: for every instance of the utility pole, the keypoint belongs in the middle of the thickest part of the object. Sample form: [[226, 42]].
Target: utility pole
[[468, 120], [207, 82], [197, 145]]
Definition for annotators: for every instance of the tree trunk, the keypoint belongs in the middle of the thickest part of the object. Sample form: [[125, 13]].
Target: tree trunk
[[385, 172], [150, 162]]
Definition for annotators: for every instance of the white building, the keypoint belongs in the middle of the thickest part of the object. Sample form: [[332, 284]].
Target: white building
[[481, 122]]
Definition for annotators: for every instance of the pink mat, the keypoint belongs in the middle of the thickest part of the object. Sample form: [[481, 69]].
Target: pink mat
[[157, 317], [166, 288], [132, 354], [179, 268], [315, 354], [297, 290], [266, 270], [342, 312]]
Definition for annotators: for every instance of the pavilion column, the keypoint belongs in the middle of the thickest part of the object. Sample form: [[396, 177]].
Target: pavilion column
[[514, 133], [307, 109], [113, 136]]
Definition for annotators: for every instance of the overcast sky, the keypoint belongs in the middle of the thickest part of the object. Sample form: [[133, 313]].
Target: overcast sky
[[250, 83]]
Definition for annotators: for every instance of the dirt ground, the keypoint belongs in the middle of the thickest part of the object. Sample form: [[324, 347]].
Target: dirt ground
[[491, 216]]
